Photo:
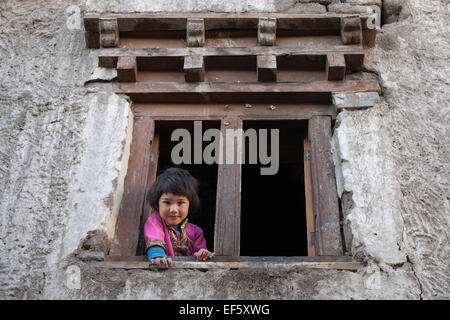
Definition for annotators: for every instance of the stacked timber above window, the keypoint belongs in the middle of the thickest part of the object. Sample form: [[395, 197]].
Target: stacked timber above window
[[235, 71]]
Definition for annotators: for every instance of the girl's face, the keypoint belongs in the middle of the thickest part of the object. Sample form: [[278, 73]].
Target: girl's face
[[172, 208]]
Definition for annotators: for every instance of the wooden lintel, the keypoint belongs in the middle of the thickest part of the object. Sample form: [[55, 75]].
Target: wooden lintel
[[194, 68], [195, 32], [351, 31], [335, 68], [267, 68], [261, 92], [109, 32], [153, 88], [218, 111], [127, 69], [267, 31]]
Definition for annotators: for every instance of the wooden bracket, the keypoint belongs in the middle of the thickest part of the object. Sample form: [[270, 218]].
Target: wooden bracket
[[267, 68], [109, 32], [127, 69], [194, 68], [92, 33], [267, 31], [195, 32], [351, 31], [335, 67]]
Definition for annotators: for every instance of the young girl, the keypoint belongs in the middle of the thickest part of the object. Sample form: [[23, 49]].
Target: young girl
[[167, 232]]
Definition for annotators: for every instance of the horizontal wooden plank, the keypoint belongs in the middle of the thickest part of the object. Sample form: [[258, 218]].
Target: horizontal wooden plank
[[278, 259], [204, 88], [218, 111], [352, 266], [353, 54], [160, 21], [310, 92]]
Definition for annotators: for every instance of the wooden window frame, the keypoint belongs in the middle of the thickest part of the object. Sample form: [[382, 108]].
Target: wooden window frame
[[324, 238]]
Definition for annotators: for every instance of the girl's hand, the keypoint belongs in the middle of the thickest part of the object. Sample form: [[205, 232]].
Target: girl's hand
[[203, 255], [160, 261]]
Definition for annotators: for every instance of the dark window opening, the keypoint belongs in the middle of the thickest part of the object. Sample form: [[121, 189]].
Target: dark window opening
[[206, 174], [273, 210]]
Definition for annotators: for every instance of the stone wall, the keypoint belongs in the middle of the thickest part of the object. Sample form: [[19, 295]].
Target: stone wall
[[64, 153]]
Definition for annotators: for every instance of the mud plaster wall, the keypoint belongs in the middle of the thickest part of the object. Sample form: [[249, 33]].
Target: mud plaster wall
[[64, 151]]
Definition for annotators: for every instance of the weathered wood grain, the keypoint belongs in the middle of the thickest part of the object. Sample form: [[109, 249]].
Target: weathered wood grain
[[128, 222], [267, 68], [195, 32], [308, 197], [351, 31], [218, 111], [267, 31], [194, 69], [353, 54], [109, 32], [228, 203], [127, 69], [325, 201], [174, 21], [351, 266], [335, 68]]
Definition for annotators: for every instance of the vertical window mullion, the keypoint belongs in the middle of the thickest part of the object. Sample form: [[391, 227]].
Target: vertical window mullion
[[228, 215], [152, 172], [310, 234]]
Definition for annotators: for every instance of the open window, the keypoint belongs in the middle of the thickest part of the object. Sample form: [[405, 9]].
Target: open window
[[273, 206], [206, 174], [239, 72]]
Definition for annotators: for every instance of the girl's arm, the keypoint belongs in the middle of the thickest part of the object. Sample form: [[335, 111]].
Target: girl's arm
[[155, 252]]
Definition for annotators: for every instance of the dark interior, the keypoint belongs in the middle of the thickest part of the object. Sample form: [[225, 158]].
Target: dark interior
[[273, 211], [204, 173]]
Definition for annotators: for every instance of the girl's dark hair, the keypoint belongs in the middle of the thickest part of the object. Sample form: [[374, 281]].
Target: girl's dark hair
[[178, 182]]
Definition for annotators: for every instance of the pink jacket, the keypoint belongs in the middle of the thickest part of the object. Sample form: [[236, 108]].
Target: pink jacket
[[186, 242]]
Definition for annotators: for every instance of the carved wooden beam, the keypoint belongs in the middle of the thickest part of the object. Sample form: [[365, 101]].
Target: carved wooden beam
[[267, 68], [127, 69], [195, 32], [351, 32], [267, 31], [335, 67], [109, 32], [354, 54], [194, 68]]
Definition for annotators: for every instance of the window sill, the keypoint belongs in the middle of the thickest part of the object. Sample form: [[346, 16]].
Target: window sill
[[226, 262]]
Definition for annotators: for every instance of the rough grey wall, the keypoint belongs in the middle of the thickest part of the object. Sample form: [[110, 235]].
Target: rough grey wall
[[63, 157], [411, 59], [60, 148], [398, 190]]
